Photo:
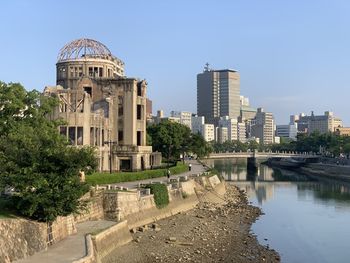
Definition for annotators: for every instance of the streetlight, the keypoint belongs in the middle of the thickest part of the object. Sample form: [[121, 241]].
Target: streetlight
[[110, 143]]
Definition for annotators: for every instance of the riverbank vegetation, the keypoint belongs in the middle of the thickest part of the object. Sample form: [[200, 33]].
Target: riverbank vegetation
[[106, 178], [173, 139], [37, 166], [328, 144]]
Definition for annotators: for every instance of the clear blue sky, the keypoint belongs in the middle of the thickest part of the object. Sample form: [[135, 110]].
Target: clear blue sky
[[293, 56]]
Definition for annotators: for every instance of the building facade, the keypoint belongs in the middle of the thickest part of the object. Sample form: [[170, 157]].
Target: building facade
[[102, 107], [184, 116], [287, 131], [208, 132], [321, 123], [231, 125], [218, 94], [241, 132], [263, 127], [197, 123]]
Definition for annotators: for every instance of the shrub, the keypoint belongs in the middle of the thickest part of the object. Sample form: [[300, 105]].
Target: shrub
[[160, 192]]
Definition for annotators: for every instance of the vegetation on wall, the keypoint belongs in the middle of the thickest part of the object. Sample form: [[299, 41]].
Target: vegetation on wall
[[36, 162], [160, 192]]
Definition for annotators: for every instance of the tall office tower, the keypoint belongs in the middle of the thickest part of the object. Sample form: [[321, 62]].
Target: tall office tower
[[218, 94], [263, 127]]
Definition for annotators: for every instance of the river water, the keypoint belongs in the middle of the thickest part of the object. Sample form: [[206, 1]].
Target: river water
[[305, 219]]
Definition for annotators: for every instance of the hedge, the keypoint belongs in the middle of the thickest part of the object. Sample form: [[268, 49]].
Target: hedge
[[160, 192], [106, 178]]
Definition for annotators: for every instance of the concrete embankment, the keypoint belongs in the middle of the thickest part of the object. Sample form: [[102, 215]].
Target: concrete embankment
[[338, 172], [136, 211]]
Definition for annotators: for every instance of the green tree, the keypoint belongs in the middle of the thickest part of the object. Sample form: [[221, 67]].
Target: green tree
[[172, 139], [35, 160], [199, 146]]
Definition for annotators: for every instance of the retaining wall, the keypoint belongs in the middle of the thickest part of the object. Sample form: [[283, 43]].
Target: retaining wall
[[108, 240]]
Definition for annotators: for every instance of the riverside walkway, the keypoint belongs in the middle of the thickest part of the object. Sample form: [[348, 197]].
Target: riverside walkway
[[73, 247], [197, 168]]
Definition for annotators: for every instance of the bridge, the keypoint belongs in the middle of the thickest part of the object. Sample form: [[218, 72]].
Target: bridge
[[259, 155]]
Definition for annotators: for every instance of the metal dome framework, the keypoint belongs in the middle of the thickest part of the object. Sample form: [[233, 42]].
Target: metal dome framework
[[84, 48]]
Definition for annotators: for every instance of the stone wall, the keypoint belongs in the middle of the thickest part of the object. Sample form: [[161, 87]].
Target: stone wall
[[94, 209], [60, 229], [20, 238], [125, 203]]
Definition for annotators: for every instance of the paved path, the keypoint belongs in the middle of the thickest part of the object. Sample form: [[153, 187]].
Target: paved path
[[71, 248], [197, 168]]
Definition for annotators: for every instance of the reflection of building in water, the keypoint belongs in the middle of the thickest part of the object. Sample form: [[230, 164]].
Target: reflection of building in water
[[264, 173], [236, 174], [260, 191]]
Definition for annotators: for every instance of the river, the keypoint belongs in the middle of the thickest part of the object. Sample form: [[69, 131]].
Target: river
[[305, 219]]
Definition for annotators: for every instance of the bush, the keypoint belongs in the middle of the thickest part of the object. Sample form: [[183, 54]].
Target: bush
[[106, 178], [160, 192]]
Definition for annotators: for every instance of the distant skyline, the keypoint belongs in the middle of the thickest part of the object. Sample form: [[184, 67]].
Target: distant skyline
[[292, 56]]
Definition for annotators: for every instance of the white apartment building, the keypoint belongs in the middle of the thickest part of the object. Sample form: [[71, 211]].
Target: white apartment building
[[184, 116], [208, 132], [241, 132], [231, 125], [263, 127]]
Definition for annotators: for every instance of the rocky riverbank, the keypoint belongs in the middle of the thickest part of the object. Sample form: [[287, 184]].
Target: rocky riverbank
[[217, 230]]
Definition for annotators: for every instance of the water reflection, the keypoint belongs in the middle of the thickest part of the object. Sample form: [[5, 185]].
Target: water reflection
[[305, 217]]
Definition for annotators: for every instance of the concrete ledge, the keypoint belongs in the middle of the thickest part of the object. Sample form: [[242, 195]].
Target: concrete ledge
[[110, 239], [90, 255]]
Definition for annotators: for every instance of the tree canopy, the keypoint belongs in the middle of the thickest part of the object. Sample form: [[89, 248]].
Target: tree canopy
[[35, 160], [172, 139]]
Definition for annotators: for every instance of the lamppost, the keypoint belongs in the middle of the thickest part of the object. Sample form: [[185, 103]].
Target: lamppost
[[110, 143]]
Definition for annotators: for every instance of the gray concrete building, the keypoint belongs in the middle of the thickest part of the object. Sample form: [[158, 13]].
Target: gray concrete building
[[321, 123], [287, 131], [218, 94], [101, 106]]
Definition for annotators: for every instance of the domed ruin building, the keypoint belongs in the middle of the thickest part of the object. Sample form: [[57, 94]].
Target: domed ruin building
[[102, 107]]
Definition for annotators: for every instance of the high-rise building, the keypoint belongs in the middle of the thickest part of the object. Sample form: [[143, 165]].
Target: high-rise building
[[218, 94], [184, 116], [263, 127]]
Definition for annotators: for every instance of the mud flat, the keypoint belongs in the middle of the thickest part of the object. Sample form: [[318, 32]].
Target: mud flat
[[216, 230]]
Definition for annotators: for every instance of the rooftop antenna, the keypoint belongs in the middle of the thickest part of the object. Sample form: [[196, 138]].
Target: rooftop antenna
[[206, 68]]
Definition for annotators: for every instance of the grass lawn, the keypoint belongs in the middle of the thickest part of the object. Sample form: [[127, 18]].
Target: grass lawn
[[106, 178]]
